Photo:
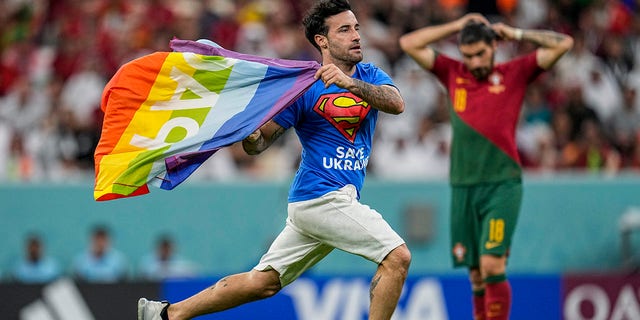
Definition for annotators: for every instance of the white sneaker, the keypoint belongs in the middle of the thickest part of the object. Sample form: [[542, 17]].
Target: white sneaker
[[151, 310]]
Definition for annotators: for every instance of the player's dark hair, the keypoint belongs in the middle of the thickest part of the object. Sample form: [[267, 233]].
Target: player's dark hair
[[475, 31], [314, 21]]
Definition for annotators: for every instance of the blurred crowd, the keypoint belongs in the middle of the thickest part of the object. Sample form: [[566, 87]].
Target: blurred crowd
[[57, 55], [99, 262]]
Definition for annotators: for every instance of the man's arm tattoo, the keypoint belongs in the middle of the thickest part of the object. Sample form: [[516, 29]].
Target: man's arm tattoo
[[276, 134], [544, 38], [381, 98], [253, 148], [262, 143]]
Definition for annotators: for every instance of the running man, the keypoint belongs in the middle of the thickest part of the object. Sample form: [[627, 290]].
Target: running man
[[485, 173], [334, 121]]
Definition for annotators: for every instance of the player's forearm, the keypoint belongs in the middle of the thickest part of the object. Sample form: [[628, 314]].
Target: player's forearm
[[384, 98], [416, 43], [552, 45], [546, 38], [418, 39]]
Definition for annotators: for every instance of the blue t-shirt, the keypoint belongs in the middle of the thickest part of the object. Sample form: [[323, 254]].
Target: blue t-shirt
[[110, 267], [335, 128], [45, 270]]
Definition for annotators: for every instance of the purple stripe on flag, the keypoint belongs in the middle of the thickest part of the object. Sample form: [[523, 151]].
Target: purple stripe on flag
[[205, 49]]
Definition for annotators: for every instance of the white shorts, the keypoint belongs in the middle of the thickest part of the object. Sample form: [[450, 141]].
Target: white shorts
[[315, 227]]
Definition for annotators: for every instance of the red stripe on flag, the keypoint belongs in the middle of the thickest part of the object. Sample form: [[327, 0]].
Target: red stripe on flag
[[123, 96]]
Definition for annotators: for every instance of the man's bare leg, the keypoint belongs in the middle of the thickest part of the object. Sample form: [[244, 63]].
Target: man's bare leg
[[227, 293], [387, 283]]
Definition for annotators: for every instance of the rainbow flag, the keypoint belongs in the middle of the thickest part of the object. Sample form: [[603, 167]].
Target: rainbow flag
[[168, 112]]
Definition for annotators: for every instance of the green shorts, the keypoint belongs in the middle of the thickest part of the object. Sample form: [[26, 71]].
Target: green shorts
[[483, 219]]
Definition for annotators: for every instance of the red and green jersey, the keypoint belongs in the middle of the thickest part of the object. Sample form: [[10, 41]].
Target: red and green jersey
[[484, 116]]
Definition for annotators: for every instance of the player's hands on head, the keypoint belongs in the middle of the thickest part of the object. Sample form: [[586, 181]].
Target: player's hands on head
[[477, 17], [504, 31]]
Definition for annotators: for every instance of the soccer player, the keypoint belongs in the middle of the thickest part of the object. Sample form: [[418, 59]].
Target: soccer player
[[485, 172], [334, 121]]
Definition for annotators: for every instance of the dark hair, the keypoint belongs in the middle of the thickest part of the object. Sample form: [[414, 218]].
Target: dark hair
[[164, 239], [314, 21], [100, 230], [475, 31], [33, 237]]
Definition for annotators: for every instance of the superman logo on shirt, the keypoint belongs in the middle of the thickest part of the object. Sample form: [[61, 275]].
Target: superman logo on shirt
[[344, 111]]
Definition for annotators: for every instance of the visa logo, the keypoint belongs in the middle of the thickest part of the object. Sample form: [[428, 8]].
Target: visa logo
[[341, 299]]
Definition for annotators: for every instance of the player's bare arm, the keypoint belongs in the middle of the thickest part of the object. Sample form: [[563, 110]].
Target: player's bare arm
[[262, 138], [552, 44], [384, 98], [416, 43]]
